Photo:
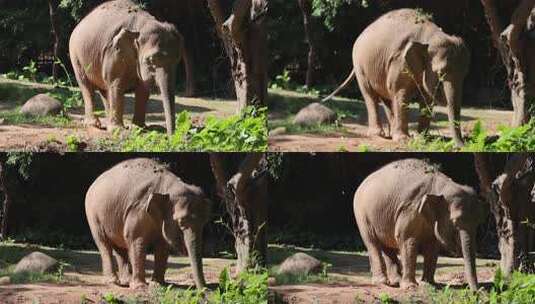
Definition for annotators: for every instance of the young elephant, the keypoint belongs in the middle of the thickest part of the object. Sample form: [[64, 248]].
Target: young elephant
[[409, 207], [119, 48], [402, 57], [138, 203]]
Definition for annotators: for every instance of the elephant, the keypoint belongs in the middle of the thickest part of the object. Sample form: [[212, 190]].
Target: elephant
[[140, 203], [402, 57], [409, 207], [119, 48]]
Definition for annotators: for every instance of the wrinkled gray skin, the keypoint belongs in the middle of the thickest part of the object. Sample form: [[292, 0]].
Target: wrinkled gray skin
[[139, 203], [119, 48], [400, 58], [408, 208]]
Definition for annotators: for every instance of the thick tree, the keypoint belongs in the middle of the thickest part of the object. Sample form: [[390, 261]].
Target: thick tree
[[509, 191], [6, 201], [243, 34], [242, 185], [306, 10], [511, 41]]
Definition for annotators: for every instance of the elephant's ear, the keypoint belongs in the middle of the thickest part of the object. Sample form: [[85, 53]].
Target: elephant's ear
[[125, 39], [416, 56], [158, 205], [429, 206]]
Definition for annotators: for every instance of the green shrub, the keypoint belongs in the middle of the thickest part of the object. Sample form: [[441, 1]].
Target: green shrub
[[247, 288], [245, 132], [509, 139]]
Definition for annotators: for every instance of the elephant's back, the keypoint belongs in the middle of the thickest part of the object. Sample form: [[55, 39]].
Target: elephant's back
[[123, 186]]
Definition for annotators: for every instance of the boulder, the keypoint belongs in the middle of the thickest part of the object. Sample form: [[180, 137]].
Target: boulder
[[300, 263], [36, 262], [315, 114], [5, 280], [41, 105]]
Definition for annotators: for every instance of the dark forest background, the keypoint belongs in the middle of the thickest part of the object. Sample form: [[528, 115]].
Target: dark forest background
[[48, 194], [312, 196]]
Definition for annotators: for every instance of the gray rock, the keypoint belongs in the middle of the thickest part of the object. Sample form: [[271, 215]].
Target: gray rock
[[5, 280], [277, 131], [315, 114], [41, 105], [300, 263], [37, 262]]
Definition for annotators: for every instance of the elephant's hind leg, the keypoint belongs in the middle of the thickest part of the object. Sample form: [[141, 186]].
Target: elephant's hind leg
[[88, 94], [121, 256], [372, 106], [377, 263], [105, 249], [393, 267]]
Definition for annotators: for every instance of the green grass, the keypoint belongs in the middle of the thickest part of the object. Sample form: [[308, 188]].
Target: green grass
[[291, 128], [508, 140], [239, 133], [14, 117]]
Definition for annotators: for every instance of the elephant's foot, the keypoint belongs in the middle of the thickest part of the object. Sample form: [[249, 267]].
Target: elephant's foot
[[400, 137], [408, 285], [375, 132], [92, 122], [139, 123], [156, 282], [138, 285], [124, 281], [429, 281]]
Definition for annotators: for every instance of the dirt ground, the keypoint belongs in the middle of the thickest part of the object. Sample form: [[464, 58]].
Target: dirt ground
[[84, 280], [353, 136], [350, 279], [31, 136]]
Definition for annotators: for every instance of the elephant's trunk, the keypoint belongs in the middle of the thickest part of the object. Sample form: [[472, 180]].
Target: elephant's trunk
[[469, 256], [193, 240], [165, 79], [453, 94]]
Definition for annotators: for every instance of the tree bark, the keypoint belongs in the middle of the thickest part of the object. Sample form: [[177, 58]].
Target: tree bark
[[189, 50], [244, 38], [306, 9], [510, 196], [52, 8], [245, 195], [511, 44], [6, 203]]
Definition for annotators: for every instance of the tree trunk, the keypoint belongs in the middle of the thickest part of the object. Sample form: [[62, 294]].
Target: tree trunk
[[6, 203], [510, 196], [245, 195], [245, 41], [511, 44], [52, 8], [189, 51], [306, 9]]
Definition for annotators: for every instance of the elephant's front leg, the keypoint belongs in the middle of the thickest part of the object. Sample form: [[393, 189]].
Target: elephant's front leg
[[116, 101], [372, 106], [142, 97], [401, 123], [424, 120], [161, 253], [409, 251], [430, 263], [137, 255]]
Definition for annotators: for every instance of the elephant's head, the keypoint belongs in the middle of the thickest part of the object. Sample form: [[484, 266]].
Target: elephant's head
[[159, 49], [183, 215], [455, 216], [442, 66]]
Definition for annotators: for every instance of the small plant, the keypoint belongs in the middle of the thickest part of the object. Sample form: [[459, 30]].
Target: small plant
[[73, 143], [384, 298], [29, 71], [282, 81], [110, 298]]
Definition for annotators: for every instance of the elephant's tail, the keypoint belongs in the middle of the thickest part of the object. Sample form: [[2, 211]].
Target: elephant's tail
[[343, 85]]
